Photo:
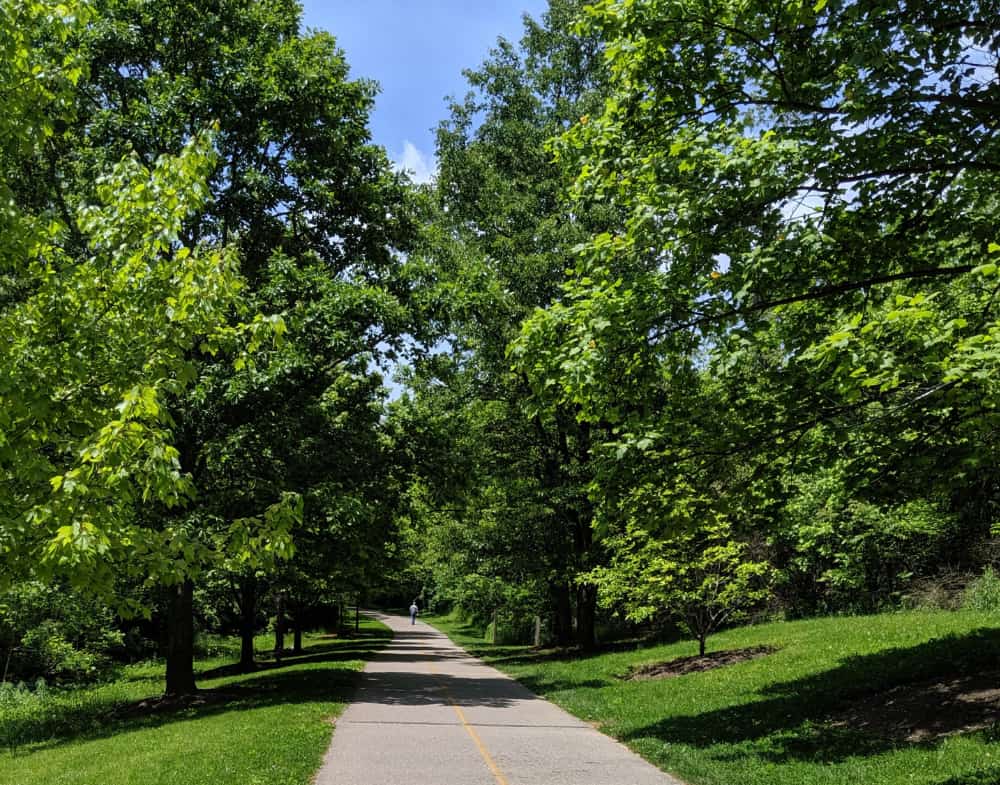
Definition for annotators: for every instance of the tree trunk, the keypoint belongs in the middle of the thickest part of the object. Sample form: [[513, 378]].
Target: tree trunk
[[563, 627], [248, 622], [180, 641], [279, 625], [586, 593], [297, 627], [586, 612], [701, 645]]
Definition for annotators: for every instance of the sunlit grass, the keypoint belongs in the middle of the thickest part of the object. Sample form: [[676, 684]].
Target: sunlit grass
[[765, 721], [270, 727]]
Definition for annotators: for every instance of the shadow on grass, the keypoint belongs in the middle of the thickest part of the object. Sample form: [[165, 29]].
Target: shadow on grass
[[358, 646], [791, 720], [541, 684], [323, 681], [987, 776], [499, 654]]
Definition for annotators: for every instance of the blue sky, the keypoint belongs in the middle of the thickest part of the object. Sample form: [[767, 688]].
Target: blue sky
[[416, 50]]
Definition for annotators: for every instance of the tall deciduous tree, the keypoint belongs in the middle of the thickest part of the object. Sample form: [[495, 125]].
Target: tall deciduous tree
[[317, 218], [500, 194], [100, 306], [810, 191]]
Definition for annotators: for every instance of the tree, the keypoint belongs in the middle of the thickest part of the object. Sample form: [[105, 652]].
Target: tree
[[316, 216], [700, 576], [507, 238], [96, 333], [809, 191], [314, 209]]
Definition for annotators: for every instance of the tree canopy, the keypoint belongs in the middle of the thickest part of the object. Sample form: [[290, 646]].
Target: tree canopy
[[696, 320]]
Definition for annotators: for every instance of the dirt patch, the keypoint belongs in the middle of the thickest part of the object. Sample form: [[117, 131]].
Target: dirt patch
[[168, 704], [699, 663], [928, 710]]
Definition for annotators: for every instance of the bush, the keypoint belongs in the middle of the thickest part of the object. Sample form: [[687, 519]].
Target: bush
[[54, 632], [57, 656], [983, 593], [838, 553]]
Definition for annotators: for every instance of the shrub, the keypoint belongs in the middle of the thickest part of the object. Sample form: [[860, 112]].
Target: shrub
[[983, 593], [20, 709], [841, 553], [55, 632]]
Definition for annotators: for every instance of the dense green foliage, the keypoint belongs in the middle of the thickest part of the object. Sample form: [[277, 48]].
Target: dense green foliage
[[516, 538], [701, 577], [55, 633], [697, 325], [317, 219], [696, 278], [96, 319], [793, 328], [204, 276]]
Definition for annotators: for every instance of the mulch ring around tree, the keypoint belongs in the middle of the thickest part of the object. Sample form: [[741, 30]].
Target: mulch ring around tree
[[926, 711], [698, 663], [168, 704]]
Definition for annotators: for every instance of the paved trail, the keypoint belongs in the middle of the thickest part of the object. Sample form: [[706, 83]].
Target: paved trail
[[429, 714]]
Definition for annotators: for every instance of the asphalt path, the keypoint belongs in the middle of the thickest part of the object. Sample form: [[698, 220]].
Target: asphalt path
[[426, 713]]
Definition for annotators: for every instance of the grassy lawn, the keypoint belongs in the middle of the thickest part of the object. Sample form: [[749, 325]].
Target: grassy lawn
[[266, 728], [794, 717]]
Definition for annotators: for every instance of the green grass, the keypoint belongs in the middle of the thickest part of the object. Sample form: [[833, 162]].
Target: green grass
[[763, 722], [270, 727]]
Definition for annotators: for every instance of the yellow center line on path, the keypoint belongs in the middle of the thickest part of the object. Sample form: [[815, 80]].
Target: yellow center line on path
[[490, 763]]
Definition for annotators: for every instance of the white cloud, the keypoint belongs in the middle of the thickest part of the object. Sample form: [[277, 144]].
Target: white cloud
[[421, 167]]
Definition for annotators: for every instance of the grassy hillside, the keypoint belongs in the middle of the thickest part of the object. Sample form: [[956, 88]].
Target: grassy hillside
[[875, 699], [266, 728]]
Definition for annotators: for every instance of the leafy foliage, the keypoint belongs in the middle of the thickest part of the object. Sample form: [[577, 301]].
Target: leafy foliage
[[94, 340], [983, 594], [844, 553], [701, 577], [503, 237], [55, 633], [804, 276]]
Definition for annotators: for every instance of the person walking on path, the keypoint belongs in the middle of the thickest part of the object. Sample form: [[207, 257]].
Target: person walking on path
[[413, 612]]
